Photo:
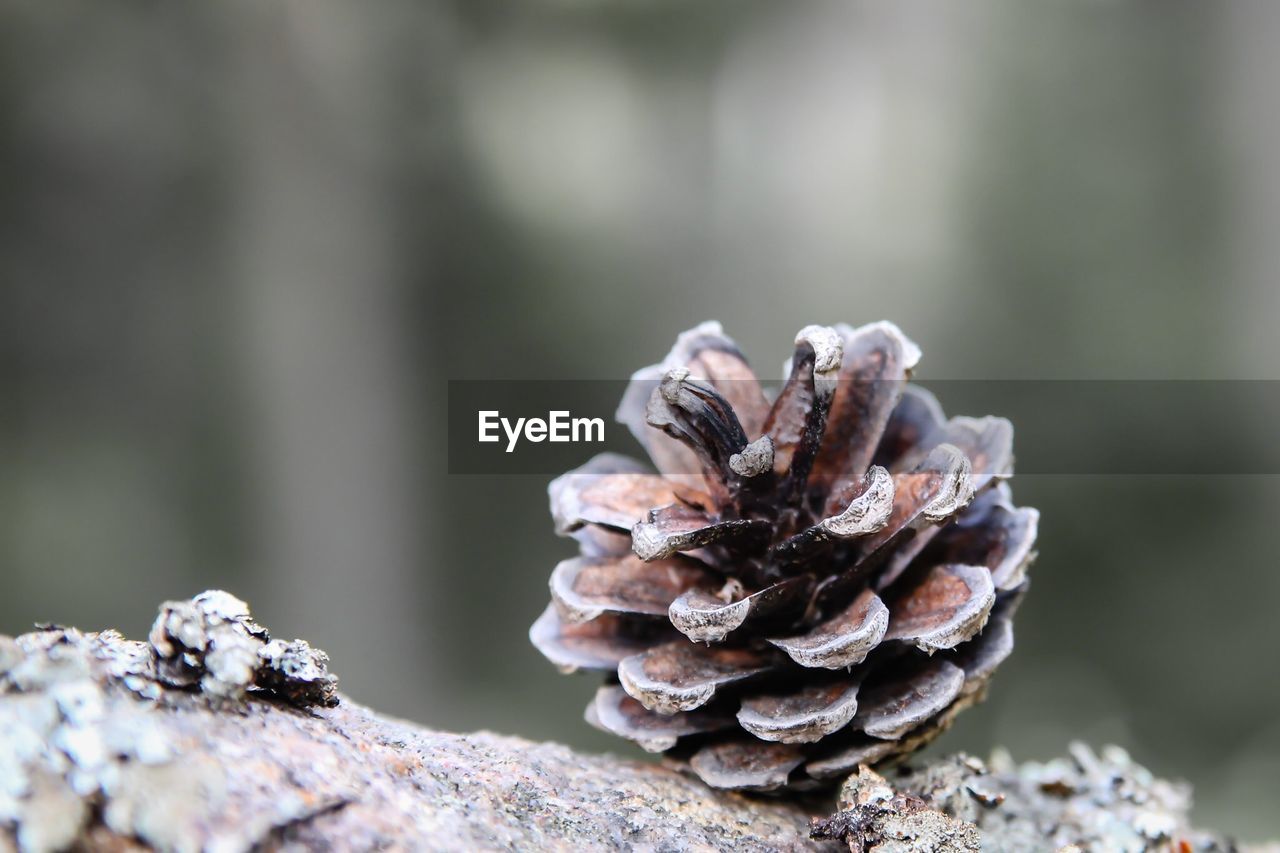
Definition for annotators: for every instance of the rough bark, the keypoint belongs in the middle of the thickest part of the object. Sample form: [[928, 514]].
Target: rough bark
[[213, 737]]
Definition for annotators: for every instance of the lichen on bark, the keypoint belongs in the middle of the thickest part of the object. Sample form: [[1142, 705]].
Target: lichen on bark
[[960, 804]]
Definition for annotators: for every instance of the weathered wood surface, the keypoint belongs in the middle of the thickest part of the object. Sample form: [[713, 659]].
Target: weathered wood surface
[[212, 737]]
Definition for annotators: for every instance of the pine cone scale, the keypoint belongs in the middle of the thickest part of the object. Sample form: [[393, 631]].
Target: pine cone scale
[[615, 500], [708, 618], [600, 644], [894, 708], [682, 676], [806, 716], [842, 641], [747, 765], [583, 588], [615, 711], [877, 361], [948, 606], [679, 527]]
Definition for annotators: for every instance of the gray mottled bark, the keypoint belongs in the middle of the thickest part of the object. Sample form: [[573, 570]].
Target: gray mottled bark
[[212, 736]]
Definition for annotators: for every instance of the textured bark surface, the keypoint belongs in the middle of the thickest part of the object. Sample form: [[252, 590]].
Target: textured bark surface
[[213, 737]]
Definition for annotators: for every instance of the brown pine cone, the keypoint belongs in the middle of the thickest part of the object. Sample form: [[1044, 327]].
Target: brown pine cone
[[805, 586]]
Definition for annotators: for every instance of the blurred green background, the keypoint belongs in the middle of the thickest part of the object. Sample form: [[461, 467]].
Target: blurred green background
[[244, 245]]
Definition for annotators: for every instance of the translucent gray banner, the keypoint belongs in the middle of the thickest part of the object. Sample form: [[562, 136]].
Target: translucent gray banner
[[1130, 427]]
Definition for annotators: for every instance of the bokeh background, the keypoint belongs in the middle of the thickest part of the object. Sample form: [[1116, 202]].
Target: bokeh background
[[244, 245]]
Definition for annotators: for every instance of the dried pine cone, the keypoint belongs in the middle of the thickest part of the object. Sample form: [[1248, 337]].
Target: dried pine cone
[[806, 586]]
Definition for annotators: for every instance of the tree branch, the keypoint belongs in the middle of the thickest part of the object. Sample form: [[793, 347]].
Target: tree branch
[[211, 736]]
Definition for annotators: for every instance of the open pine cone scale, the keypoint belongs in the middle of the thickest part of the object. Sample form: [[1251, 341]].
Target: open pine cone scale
[[803, 586]]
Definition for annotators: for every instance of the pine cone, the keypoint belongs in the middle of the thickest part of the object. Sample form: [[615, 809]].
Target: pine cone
[[806, 586]]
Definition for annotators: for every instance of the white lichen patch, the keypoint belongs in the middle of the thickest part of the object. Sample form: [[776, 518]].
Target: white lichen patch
[[212, 641], [80, 739]]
